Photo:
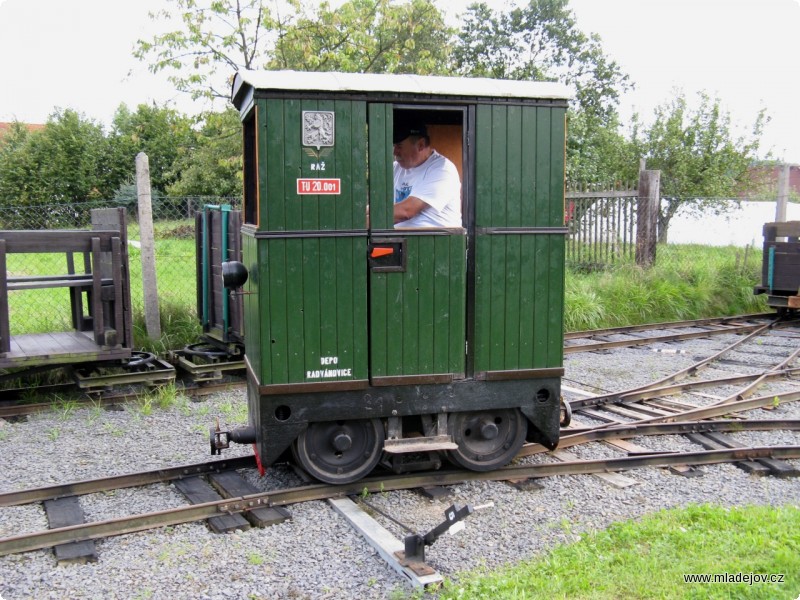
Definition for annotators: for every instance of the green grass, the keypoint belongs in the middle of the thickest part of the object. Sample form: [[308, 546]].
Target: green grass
[[688, 282], [648, 558]]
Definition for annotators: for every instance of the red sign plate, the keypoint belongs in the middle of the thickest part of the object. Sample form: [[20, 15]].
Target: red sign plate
[[314, 186]]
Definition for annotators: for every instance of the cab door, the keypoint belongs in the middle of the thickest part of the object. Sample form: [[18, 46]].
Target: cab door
[[417, 281]]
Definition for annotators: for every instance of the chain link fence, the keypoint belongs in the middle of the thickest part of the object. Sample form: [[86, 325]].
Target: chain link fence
[[602, 236], [45, 310]]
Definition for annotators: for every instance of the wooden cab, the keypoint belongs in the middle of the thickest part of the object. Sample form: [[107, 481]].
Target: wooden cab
[[347, 317]]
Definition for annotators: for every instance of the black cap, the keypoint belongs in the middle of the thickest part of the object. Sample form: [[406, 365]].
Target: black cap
[[404, 130]]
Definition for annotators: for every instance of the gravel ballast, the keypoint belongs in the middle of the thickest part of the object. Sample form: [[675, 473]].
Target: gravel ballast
[[316, 554]]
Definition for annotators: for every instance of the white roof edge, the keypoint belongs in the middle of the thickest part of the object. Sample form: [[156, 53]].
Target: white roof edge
[[412, 84]]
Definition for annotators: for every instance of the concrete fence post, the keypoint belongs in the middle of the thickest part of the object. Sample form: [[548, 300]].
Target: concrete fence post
[[152, 317], [783, 193]]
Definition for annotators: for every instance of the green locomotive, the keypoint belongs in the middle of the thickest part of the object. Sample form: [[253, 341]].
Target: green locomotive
[[366, 341]]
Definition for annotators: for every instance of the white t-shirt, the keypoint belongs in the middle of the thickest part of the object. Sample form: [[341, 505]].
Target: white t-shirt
[[437, 184]]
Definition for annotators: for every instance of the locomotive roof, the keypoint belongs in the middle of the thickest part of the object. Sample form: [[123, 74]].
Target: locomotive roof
[[303, 81]]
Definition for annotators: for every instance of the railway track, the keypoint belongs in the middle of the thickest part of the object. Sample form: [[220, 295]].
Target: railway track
[[648, 410], [669, 385], [670, 424], [574, 342], [186, 514], [637, 335]]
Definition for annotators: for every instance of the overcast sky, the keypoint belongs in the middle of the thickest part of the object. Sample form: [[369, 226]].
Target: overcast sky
[[77, 54]]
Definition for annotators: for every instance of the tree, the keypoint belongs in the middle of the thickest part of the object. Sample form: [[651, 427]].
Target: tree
[[366, 36], [598, 152], [67, 161], [703, 166], [213, 167], [540, 42], [161, 133], [212, 35], [16, 165], [218, 37]]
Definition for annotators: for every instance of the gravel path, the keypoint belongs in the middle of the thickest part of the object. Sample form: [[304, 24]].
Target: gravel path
[[316, 554]]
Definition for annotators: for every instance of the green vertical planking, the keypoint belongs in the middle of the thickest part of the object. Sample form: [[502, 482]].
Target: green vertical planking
[[311, 303], [262, 317], [323, 208], [445, 285], [543, 199], [512, 301], [306, 213], [483, 167], [525, 305], [381, 185], [326, 299], [458, 307], [350, 156], [292, 167], [519, 277], [360, 334], [295, 295], [379, 313], [499, 149], [514, 170], [252, 303], [497, 297], [312, 325], [426, 291], [275, 270], [350, 311], [272, 184], [314, 309], [557, 166], [394, 301], [409, 310], [540, 299], [527, 290], [417, 317], [288, 160], [555, 340], [529, 215], [483, 203]]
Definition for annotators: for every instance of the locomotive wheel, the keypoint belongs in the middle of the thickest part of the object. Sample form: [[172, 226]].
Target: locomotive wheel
[[340, 452], [487, 439]]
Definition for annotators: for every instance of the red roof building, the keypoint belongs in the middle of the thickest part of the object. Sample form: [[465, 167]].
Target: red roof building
[[6, 127]]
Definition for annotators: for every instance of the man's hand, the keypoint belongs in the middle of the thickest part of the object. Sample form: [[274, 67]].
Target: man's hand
[[408, 208]]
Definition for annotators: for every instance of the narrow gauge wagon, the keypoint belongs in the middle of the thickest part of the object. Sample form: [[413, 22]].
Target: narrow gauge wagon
[[218, 240], [780, 269], [366, 342], [96, 286]]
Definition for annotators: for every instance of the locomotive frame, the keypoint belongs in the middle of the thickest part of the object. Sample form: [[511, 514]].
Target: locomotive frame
[[363, 341]]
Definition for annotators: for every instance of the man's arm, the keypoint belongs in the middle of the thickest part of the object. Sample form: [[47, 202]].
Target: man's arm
[[408, 208]]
